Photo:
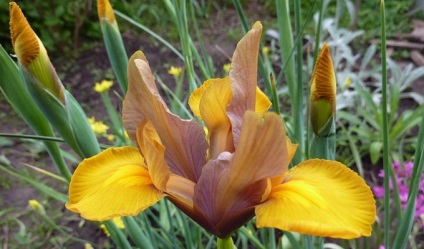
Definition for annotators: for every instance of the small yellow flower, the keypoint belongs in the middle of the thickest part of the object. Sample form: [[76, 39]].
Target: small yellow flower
[[226, 67], [347, 83], [110, 137], [36, 206], [88, 246], [104, 229], [118, 222], [103, 86], [98, 127], [265, 50], [175, 71]]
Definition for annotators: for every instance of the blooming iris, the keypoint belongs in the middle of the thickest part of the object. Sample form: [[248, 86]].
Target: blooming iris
[[222, 179]]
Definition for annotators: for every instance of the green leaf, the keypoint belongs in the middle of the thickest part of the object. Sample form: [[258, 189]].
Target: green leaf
[[13, 88], [375, 151], [116, 52], [40, 186], [85, 138]]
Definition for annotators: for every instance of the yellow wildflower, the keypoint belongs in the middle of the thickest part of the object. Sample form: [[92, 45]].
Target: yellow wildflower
[[88, 246], [265, 50], [175, 71], [104, 229], [347, 83], [110, 137], [103, 86], [98, 127], [226, 67], [36, 206], [118, 223]]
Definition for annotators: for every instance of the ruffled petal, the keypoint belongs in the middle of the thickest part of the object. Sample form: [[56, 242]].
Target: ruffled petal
[[110, 184], [243, 77], [184, 140], [322, 198]]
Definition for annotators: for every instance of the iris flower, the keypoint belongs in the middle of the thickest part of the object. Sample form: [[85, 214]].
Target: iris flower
[[226, 176]]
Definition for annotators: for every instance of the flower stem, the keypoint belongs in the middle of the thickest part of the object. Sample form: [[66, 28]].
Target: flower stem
[[226, 243]]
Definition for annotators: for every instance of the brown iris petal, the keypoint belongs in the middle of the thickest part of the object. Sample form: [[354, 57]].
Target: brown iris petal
[[243, 77], [184, 140]]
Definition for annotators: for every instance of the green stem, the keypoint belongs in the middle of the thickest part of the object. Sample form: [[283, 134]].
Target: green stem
[[226, 243], [385, 129], [113, 115], [286, 46], [150, 32], [318, 31]]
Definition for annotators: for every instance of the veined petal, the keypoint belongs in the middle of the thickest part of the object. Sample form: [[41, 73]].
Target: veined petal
[[262, 104], [243, 76], [113, 183], [234, 183], [184, 140], [322, 198]]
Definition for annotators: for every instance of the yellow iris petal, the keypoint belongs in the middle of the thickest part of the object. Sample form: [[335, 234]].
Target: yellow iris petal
[[196, 96], [153, 150], [111, 184], [322, 198], [262, 102], [213, 105]]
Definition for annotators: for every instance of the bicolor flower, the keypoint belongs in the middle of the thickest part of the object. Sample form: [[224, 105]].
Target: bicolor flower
[[32, 54], [226, 176], [323, 91]]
